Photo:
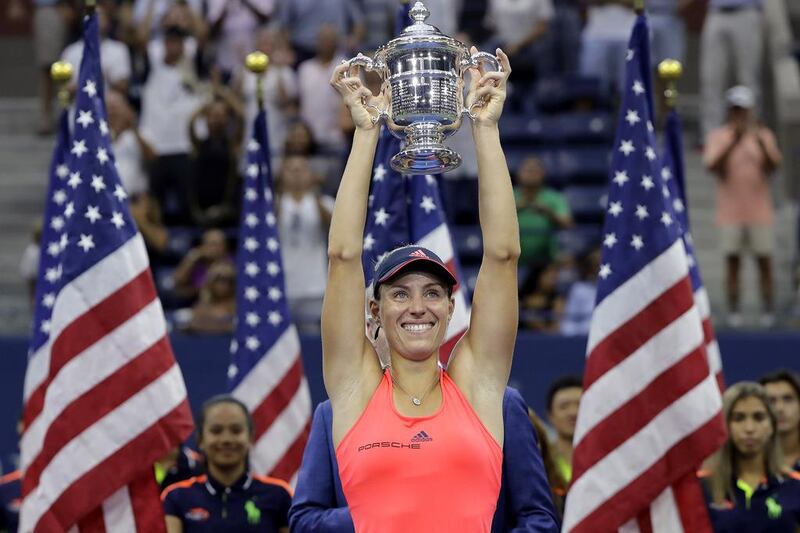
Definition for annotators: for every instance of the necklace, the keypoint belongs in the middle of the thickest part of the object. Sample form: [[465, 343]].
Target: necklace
[[414, 399]]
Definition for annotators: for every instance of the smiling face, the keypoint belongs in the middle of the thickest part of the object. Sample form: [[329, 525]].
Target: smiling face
[[749, 426], [225, 436], [414, 310]]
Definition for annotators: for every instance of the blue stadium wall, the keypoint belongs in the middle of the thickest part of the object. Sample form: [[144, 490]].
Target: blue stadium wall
[[539, 359]]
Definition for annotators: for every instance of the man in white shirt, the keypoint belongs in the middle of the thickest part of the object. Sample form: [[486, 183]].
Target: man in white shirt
[[320, 106], [605, 41], [115, 59], [169, 98]]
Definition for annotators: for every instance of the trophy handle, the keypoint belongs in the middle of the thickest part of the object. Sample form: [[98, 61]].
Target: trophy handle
[[363, 61], [473, 61]]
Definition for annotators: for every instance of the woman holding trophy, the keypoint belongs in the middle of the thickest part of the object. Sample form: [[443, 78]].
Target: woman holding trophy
[[420, 448]]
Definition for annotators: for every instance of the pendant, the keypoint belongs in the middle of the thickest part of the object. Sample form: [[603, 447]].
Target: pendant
[[416, 401]]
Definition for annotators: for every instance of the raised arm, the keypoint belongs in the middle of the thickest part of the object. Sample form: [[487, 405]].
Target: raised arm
[[346, 355], [483, 359]]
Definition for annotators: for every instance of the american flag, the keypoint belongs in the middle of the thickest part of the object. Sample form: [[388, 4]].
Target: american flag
[[104, 398], [266, 370], [672, 175], [651, 409], [405, 210]]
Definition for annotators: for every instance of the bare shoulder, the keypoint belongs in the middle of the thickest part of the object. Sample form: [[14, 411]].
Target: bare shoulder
[[483, 393], [354, 395]]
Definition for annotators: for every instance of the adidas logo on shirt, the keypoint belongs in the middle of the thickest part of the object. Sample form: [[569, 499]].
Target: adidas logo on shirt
[[421, 437]]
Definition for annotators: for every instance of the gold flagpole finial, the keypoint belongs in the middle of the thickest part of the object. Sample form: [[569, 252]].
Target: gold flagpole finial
[[61, 73], [257, 63], [670, 71]]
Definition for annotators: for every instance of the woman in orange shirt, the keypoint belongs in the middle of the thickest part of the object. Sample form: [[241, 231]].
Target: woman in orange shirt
[[420, 448]]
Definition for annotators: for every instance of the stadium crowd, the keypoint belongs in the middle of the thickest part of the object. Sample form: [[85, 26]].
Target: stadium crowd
[[181, 105]]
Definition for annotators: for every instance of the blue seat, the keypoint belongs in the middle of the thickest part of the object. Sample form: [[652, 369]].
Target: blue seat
[[587, 202], [468, 243], [586, 127], [461, 200], [579, 239], [556, 94], [584, 165], [523, 129]]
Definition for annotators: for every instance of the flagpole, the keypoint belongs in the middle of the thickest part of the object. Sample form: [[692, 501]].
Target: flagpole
[[257, 63], [91, 6], [670, 71], [61, 73], [638, 7]]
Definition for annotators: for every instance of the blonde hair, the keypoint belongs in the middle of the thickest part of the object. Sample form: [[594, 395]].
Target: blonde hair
[[723, 462]]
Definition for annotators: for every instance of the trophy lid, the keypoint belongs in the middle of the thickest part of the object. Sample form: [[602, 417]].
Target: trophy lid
[[419, 14]]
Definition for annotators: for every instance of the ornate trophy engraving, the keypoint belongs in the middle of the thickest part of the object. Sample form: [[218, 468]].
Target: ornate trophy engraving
[[424, 69]]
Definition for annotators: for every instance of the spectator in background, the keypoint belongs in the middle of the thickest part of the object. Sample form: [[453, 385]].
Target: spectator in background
[[279, 89], [191, 273], [51, 22], [667, 29], [379, 19], [519, 27], [115, 59], [566, 35], [180, 463], [304, 216], [215, 310], [216, 159], [319, 104], [743, 153], [746, 488], [29, 262], [558, 487], [10, 501], [233, 26], [732, 41], [783, 391], [604, 42], [542, 211], [563, 401], [169, 97], [131, 151], [303, 20], [541, 305], [577, 318], [152, 17], [147, 214], [228, 498]]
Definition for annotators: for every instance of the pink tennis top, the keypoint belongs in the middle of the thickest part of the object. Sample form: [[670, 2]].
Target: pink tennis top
[[434, 473]]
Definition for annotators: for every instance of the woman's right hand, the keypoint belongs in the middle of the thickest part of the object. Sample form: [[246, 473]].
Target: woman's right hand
[[357, 97]]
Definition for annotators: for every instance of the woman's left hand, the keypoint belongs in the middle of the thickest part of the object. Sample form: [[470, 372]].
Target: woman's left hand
[[491, 88]]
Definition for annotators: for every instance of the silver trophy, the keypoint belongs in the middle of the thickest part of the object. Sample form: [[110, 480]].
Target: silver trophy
[[425, 70]]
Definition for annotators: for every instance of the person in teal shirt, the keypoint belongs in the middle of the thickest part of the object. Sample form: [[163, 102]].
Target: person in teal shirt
[[542, 211]]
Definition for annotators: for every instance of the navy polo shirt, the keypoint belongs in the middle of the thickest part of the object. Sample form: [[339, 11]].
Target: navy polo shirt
[[10, 501], [253, 503], [771, 507]]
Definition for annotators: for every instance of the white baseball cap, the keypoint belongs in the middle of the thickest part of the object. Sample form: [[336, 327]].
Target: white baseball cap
[[740, 96]]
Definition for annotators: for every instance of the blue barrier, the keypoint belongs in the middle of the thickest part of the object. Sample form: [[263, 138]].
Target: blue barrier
[[539, 359]]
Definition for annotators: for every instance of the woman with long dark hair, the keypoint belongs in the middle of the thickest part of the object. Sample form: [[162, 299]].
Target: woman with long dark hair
[[748, 489]]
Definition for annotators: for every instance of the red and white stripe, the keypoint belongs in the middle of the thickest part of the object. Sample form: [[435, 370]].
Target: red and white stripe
[[712, 347], [104, 399], [277, 394], [651, 408], [441, 244]]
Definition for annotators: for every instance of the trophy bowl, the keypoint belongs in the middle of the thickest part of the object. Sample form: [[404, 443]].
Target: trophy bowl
[[425, 72]]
